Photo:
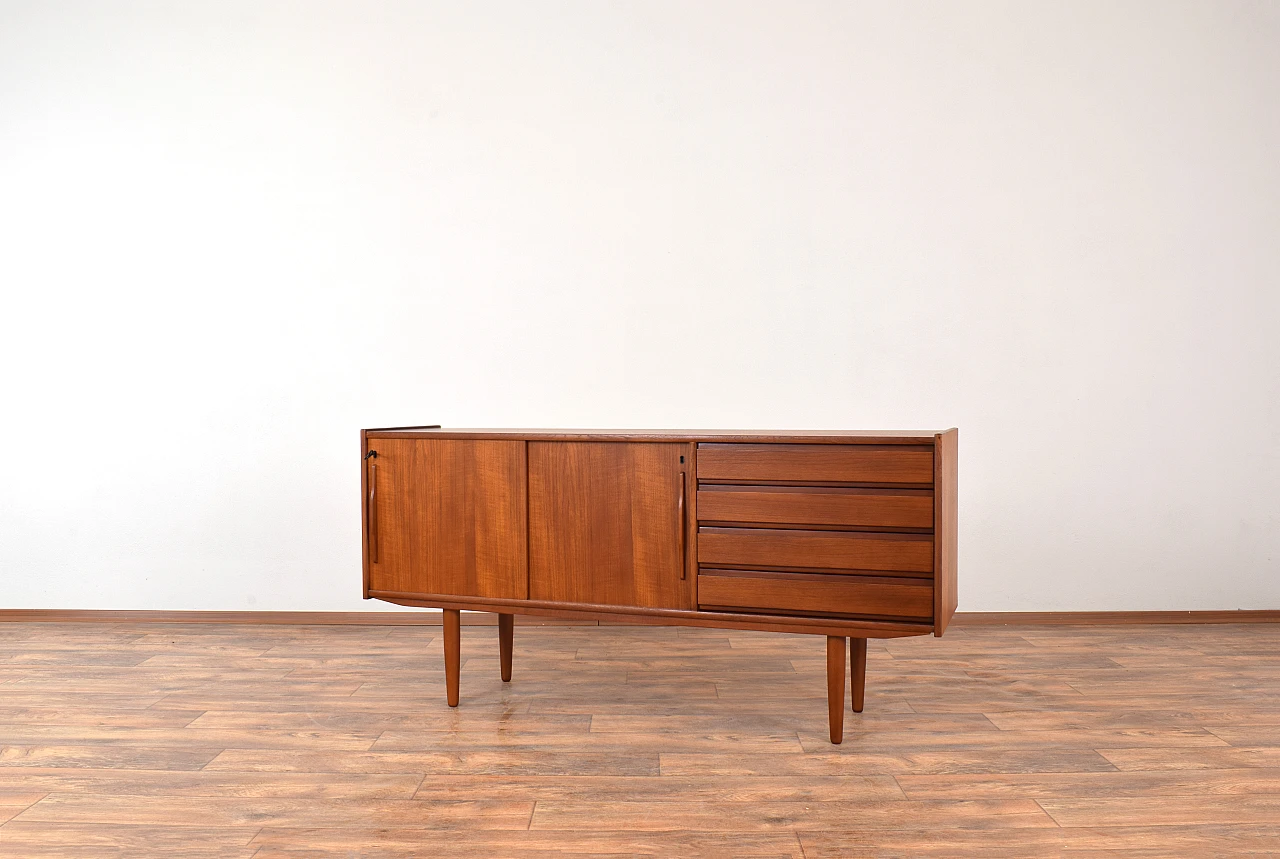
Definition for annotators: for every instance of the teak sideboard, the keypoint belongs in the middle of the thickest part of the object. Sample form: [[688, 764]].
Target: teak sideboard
[[851, 535]]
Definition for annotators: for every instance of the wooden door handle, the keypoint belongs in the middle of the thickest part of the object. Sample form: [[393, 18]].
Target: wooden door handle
[[684, 561], [372, 512]]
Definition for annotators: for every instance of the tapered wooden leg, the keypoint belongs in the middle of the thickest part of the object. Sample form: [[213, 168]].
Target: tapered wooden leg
[[506, 630], [452, 653], [858, 658], [836, 650]]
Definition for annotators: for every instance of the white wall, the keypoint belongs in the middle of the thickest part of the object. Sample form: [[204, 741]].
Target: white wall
[[236, 232]]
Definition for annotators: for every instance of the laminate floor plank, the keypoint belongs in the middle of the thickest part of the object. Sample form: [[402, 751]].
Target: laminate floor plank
[[263, 811], [661, 788], [18, 797], [391, 843], [858, 741], [120, 755], [750, 816], [1163, 810], [1119, 842], [39, 782], [515, 720], [260, 741], [681, 723], [1093, 720], [744, 743], [200, 737], [1192, 759], [116, 840], [23, 699], [1233, 782], [798, 709], [1249, 736], [892, 763], [481, 761], [90, 717]]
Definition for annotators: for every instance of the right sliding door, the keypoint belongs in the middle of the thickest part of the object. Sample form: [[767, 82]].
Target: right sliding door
[[608, 523]]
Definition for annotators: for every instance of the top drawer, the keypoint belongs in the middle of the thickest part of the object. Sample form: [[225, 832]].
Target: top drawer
[[817, 463]]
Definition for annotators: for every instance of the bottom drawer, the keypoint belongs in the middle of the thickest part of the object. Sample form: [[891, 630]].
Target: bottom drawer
[[816, 594]]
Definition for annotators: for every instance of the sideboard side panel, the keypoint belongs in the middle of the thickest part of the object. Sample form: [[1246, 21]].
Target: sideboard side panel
[[945, 533], [364, 513]]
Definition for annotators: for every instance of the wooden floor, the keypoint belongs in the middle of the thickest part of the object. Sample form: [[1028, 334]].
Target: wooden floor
[[299, 741]]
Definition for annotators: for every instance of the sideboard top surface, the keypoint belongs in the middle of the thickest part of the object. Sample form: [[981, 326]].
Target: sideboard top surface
[[688, 435]]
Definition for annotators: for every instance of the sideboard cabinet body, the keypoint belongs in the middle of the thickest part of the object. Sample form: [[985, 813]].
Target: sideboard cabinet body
[[848, 535]]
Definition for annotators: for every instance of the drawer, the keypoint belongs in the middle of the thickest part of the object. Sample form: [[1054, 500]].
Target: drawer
[[815, 594], [836, 550], [811, 505], [817, 463]]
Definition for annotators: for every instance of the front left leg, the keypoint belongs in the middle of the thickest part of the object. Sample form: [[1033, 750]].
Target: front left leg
[[452, 653], [836, 650], [506, 635], [858, 657]]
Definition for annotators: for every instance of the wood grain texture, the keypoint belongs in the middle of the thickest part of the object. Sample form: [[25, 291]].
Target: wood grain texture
[[810, 505], [832, 550], [858, 679], [605, 524], [302, 618], [420, 618], [450, 517], [851, 463], [216, 740], [945, 528], [815, 593], [676, 617], [909, 437], [452, 658], [506, 638], [837, 648]]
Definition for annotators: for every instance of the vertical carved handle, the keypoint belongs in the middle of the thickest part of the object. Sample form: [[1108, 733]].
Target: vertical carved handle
[[684, 561], [373, 512]]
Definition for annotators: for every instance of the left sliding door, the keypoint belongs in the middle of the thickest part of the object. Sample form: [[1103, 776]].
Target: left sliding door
[[446, 516]]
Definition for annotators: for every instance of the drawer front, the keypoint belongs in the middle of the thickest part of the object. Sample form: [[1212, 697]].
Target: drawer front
[[836, 550], [810, 505], [815, 594], [817, 463]]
